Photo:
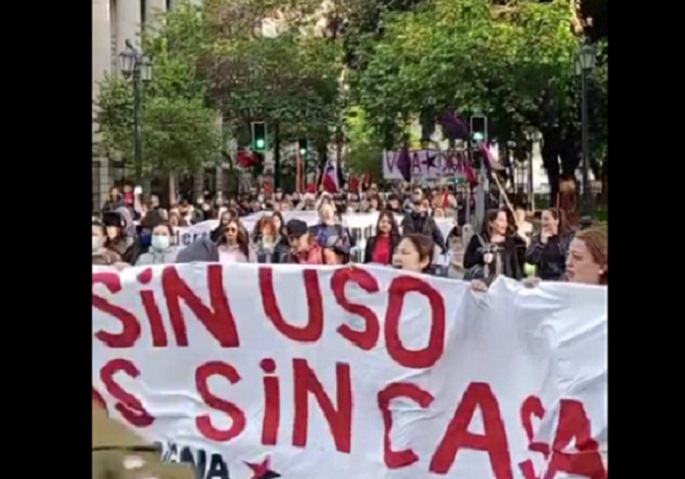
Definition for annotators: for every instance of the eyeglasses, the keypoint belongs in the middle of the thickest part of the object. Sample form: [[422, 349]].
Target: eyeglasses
[[232, 230]]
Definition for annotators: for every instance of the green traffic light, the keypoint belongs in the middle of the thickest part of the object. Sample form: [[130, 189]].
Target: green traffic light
[[259, 143], [477, 136], [303, 151]]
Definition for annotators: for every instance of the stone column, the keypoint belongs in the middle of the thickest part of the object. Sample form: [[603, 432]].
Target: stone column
[[152, 9], [101, 60], [128, 23]]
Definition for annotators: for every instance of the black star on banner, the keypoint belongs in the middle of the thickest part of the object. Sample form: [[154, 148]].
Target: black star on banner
[[429, 162], [262, 470]]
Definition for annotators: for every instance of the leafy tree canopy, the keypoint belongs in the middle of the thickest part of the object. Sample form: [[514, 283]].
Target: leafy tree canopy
[[263, 60], [513, 62]]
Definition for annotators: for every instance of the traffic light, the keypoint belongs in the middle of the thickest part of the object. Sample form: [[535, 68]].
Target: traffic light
[[479, 128], [258, 136], [302, 147]]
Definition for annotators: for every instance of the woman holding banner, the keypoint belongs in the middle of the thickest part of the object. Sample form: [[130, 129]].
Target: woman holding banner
[[587, 262], [414, 253]]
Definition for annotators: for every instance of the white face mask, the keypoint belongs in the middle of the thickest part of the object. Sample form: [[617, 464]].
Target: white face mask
[[160, 242], [97, 242]]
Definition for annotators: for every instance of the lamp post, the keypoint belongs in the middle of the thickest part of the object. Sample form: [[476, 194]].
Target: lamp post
[[585, 63], [136, 65]]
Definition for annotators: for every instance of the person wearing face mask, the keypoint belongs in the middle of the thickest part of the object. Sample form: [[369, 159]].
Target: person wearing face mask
[[161, 251], [102, 256], [121, 234], [548, 249], [414, 253], [420, 221]]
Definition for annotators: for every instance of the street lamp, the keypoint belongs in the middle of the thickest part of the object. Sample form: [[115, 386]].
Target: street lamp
[[138, 66], [585, 63]]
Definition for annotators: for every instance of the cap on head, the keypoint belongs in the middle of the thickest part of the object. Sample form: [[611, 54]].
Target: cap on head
[[296, 228]]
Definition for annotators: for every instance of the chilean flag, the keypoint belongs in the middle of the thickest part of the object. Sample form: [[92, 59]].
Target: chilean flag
[[330, 177]]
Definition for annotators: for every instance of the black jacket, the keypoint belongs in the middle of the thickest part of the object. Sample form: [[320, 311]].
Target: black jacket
[[371, 245], [549, 258], [509, 250], [423, 224], [279, 254]]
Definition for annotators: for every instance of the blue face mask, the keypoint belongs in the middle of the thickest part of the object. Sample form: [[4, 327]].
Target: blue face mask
[[146, 240]]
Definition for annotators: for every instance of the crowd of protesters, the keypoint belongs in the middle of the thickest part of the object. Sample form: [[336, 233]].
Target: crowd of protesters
[[128, 231]]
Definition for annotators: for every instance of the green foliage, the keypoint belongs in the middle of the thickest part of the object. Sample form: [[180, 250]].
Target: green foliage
[[464, 54], [290, 78], [180, 131], [364, 153]]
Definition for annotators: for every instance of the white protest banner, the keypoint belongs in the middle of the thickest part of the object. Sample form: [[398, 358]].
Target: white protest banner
[[187, 234], [361, 225], [252, 371], [425, 164]]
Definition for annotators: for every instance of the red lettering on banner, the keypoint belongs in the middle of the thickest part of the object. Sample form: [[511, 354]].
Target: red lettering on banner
[[339, 421], [130, 326], [532, 407], [96, 397], [159, 337], [428, 356], [574, 426], [272, 403], [398, 459], [367, 339], [127, 404], [218, 319], [312, 331], [203, 422], [457, 436]]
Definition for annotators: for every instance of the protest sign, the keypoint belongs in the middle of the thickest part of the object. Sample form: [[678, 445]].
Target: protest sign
[[256, 371]]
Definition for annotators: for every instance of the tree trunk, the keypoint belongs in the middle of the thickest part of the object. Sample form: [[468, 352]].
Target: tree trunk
[[172, 189], [549, 151], [198, 182]]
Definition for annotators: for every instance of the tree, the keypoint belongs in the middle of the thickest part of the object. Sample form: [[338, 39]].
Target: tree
[[180, 132], [514, 62], [363, 152]]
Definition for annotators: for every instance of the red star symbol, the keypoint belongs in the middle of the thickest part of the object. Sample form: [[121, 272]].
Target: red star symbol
[[262, 470]]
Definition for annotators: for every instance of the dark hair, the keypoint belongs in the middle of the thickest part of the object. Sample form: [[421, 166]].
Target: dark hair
[[492, 216], [381, 204], [394, 229], [242, 239], [165, 224], [281, 231], [424, 246], [560, 215]]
